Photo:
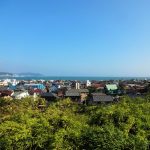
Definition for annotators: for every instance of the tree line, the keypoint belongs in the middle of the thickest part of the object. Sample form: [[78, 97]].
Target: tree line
[[64, 125]]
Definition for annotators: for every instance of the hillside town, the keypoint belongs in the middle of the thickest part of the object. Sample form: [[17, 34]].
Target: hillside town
[[84, 92]]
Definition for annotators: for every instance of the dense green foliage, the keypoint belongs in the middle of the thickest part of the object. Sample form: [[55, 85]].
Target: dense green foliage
[[34, 124]]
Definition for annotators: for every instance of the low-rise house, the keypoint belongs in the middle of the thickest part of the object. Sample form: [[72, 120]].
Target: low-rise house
[[88, 83], [141, 89], [61, 92], [83, 85], [5, 82], [49, 96], [111, 89], [78, 95], [35, 91], [100, 98], [4, 93], [54, 88], [99, 87], [12, 87], [34, 86], [2, 88], [20, 94], [73, 94], [13, 82]]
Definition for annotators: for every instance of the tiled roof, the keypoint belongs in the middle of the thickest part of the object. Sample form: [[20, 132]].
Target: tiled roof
[[3, 88], [76, 92], [72, 93], [49, 95], [98, 94], [102, 98]]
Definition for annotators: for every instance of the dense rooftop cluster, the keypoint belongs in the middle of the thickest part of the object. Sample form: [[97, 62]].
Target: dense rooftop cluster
[[89, 92]]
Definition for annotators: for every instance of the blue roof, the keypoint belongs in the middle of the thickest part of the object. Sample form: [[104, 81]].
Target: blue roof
[[12, 87], [38, 86]]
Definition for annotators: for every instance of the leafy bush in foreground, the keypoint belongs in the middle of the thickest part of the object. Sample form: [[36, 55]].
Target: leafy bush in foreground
[[32, 124]]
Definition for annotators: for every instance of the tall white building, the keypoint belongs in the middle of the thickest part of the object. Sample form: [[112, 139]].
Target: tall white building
[[88, 83], [77, 85]]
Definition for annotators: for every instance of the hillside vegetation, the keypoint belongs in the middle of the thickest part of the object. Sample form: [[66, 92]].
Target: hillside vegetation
[[63, 125]]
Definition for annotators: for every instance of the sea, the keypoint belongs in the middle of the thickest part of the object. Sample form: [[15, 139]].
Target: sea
[[79, 78]]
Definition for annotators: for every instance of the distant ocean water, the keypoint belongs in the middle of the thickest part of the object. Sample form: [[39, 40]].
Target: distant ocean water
[[74, 78]]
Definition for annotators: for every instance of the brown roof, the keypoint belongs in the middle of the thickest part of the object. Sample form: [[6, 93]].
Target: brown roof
[[6, 92], [98, 85]]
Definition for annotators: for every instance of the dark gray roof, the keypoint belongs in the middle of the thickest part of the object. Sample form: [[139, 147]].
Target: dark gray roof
[[72, 93], [76, 92], [49, 95], [98, 94], [3, 88], [83, 90], [102, 98]]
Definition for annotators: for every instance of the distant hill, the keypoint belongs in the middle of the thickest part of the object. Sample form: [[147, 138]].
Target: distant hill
[[5, 74], [27, 74]]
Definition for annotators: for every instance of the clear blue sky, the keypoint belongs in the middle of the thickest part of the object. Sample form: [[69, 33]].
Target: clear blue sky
[[75, 37]]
